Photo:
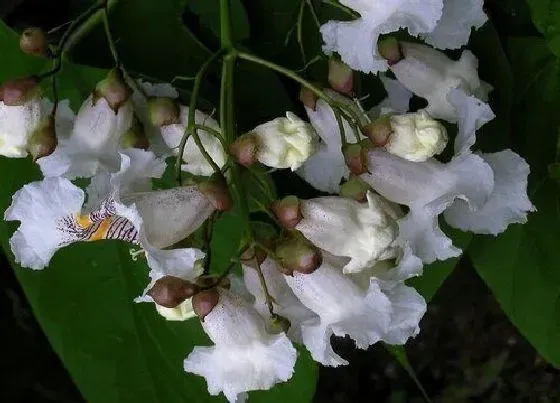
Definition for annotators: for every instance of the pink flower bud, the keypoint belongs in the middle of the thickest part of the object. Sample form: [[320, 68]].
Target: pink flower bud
[[390, 50], [33, 41], [114, 89], [217, 192], [355, 188], [171, 291], [43, 141], [297, 253], [341, 76], [245, 149], [205, 301], [355, 156], [135, 137], [379, 131], [164, 111], [18, 92], [287, 211], [308, 97]]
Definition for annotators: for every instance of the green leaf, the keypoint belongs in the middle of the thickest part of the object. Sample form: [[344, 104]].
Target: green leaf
[[546, 16]]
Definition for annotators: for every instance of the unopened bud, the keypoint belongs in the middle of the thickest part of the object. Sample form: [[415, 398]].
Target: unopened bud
[[245, 149], [43, 141], [287, 211], [355, 188], [33, 41], [297, 253], [18, 92], [355, 156], [164, 111], [341, 76], [205, 301], [390, 50], [217, 192], [170, 291], [379, 131], [114, 89], [308, 97], [279, 324], [135, 137]]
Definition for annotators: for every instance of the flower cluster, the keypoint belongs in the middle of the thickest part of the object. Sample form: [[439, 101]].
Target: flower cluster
[[331, 265]]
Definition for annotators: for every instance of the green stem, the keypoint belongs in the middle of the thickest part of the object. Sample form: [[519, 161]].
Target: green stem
[[213, 132], [313, 13], [268, 297], [191, 125], [226, 32], [343, 8], [300, 32]]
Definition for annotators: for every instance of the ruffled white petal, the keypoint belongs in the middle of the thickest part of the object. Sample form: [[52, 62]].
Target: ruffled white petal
[[454, 28], [356, 41], [407, 309], [508, 202], [42, 207], [245, 356]]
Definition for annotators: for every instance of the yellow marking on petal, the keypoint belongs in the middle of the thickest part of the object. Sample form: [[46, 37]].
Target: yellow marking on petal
[[83, 221], [102, 230]]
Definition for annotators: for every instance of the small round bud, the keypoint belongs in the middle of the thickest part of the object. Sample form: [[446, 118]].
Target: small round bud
[[287, 211], [308, 97], [114, 89], [33, 41], [205, 301], [245, 149], [164, 111], [279, 324], [341, 76], [18, 92], [135, 137], [390, 50], [379, 131], [170, 291], [43, 141], [297, 253], [217, 192], [355, 188], [355, 156]]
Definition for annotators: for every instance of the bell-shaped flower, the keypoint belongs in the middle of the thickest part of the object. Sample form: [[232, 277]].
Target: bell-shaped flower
[[195, 163], [454, 28], [430, 74], [364, 232], [285, 303], [285, 142], [245, 356], [94, 143], [343, 307], [428, 188], [356, 41], [507, 204]]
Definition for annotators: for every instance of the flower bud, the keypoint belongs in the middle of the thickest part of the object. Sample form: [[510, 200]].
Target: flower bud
[[244, 149], [279, 324], [378, 131], [171, 291], [341, 77], [205, 301], [164, 111], [253, 257], [308, 98], [43, 140], [33, 41], [355, 188], [297, 253], [135, 137], [18, 92], [355, 156], [217, 192], [287, 211], [114, 89], [390, 49]]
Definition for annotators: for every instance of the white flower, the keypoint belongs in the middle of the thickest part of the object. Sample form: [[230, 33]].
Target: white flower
[[356, 41], [432, 75], [285, 142], [428, 188], [343, 307], [17, 123], [507, 204], [364, 232], [181, 312], [454, 28], [285, 302], [397, 100], [245, 356], [416, 136], [195, 163], [93, 145]]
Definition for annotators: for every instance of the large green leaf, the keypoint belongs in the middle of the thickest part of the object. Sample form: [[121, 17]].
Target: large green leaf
[[115, 350], [546, 16]]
